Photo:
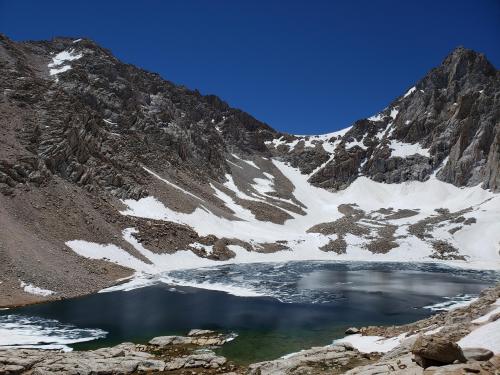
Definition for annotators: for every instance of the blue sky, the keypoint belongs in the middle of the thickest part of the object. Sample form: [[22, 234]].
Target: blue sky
[[304, 67]]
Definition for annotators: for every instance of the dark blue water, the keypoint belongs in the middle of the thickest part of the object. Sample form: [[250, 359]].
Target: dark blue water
[[310, 304]]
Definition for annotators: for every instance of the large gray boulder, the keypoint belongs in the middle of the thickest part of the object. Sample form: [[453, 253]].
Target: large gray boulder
[[194, 337]]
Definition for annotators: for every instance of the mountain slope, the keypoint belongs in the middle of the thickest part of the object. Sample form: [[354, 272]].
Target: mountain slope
[[107, 170]]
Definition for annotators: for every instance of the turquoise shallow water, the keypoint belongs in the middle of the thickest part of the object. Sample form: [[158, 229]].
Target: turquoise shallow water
[[306, 304]]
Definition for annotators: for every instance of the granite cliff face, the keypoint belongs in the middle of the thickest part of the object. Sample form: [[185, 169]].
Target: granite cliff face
[[448, 121], [101, 152]]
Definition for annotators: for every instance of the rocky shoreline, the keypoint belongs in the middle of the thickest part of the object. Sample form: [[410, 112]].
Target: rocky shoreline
[[440, 344]]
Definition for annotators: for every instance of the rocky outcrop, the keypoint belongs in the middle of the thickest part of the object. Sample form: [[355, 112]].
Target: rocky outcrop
[[431, 344], [126, 358], [448, 124], [205, 360], [334, 359], [95, 122], [121, 359], [404, 365], [194, 337]]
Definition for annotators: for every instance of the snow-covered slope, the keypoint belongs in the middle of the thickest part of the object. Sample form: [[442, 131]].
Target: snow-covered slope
[[422, 221]]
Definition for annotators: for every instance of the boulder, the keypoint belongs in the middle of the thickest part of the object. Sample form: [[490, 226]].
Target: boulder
[[200, 332], [351, 331], [163, 341], [436, 351], [206, 359], [477, 354], [195, 337]]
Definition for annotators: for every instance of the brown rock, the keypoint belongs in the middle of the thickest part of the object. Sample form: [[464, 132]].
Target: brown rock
[[434, 350], [351, 331]]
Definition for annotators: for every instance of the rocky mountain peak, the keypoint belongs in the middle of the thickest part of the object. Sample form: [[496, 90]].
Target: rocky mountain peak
[[464, 61], [461, 67], [447, 124]]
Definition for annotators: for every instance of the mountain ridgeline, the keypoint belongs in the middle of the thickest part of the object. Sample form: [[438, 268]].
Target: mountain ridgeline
[[95, 123]]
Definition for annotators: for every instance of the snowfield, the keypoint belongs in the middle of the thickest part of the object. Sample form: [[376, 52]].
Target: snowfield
[[479, 241]]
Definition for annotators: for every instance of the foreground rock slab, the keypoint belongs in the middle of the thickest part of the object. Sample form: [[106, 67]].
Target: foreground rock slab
[[334, 359], [123, 359], [195, 337]]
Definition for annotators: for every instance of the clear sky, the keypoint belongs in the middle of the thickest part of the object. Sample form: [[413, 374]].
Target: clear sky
[[304, 67]]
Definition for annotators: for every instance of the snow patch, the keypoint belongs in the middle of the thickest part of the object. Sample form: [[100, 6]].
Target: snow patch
[[263, 185], [394, 113], [207, 249], [62, 69], [487, 336], [311, 140], [61, 58], [403, 150], [377, 117], [249, 162], [369, 344], [31, 289], [356, 143], [109, 252], [64, 56], [326, 136], [410, 91]]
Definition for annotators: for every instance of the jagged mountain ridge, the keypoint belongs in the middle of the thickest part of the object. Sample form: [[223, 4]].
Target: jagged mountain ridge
[[106, 169], [100, 97], [451, 115], [453, 110]]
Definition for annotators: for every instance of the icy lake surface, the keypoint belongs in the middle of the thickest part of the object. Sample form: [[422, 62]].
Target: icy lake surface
[[292, 306], [328, 282]]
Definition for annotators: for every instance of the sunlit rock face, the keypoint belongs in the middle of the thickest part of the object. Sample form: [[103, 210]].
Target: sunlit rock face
[[448, 123]]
